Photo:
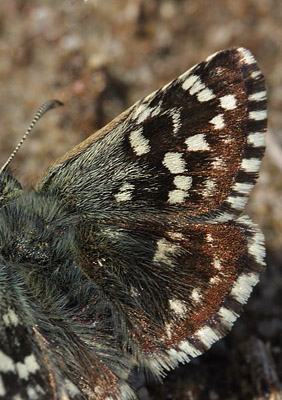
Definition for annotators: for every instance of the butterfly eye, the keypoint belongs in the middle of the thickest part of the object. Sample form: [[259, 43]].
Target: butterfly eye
[[9, 188]]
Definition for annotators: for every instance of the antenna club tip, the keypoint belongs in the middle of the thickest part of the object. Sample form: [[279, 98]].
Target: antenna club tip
[[54, 103]]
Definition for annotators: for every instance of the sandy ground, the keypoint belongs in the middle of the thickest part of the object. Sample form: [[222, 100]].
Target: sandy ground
[[99, 57]]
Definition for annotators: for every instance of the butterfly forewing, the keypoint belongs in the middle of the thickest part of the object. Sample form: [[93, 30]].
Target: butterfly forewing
[[193, 146]]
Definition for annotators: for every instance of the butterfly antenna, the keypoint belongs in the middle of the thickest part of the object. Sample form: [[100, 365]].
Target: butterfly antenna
[[49, 105]]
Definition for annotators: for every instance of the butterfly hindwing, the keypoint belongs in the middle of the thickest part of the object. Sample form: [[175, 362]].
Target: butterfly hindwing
[[174, 285]]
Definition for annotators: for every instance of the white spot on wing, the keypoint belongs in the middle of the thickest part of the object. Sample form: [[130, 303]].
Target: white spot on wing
[[256, 247], [256, 241], [217, 264], [10, 318], [207, 335], [243, 188], [177, 306], [6, 363], [257, 115], [223, 217], [168, 328], [189, 82], [196, 296], [197, 87], [164, 251], [19, 397], [259, 96], [139, 110], [218, 122], [143, 115], [256, 139], [205, 95], [228, 316], [247, 56], [255, 74], [177, 356], [197, 143], [139, 143], [189, 349], [29, 366], [175, 235], [183, 182], [174, 162], [243, 286], [210, 186], [176, 120], [125, 192], [31, 393], [228, 102], [176, 196], [237, 202], [250, 164], [209, 238], [214, 280]]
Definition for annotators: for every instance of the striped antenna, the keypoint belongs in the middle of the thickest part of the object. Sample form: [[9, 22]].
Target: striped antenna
[[49, 105]]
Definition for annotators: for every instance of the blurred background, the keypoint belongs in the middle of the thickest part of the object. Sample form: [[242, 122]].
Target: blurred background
[[99, 57]]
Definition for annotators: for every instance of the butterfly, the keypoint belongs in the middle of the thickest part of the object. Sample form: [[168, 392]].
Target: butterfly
[[131, 252]]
